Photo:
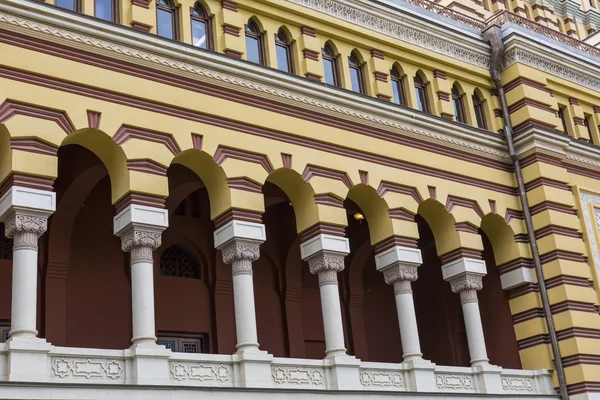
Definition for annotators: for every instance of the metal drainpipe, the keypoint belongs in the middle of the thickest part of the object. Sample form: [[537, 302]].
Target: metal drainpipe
[[493, 34]]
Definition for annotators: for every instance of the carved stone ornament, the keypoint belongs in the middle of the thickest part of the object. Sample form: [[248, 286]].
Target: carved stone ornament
[[400, 273], [25, 223], [323, 261], [140, 238], [238, 251], [466, 282]]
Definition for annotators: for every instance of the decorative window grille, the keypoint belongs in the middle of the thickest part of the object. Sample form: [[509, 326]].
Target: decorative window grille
[[184, 343], [175, 261], [6, 245]]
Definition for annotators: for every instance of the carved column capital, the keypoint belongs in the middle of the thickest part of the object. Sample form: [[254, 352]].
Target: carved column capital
[[326, 265], [400, 272], [20, 222], [140, 238], [25, 229], [240, 250], [467, 285]]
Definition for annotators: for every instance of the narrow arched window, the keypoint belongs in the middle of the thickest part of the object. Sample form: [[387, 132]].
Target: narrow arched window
[[175, 261], [201, 28], [356, 74], [421, 95], [284, 52], [330, 66], [479, 113], [73, 5], [457, 102], [106, 10], [254, 44], [166, 19], [397, 87]]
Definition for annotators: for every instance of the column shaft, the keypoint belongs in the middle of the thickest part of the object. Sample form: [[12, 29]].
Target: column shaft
[[243, 297], [142, 295], [24, 284], [332, 313], [407, 319], [473, 326]]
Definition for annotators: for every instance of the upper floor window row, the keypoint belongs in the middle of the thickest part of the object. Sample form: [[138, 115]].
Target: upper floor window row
[[104, 9], [354, 77]]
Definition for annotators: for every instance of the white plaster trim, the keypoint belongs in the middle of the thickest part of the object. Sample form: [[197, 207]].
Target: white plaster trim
[[428, 35], [329, 243], [463, 265], [590, 210], [398, 254], [516, 277], [27, 199], [151, 218], [235, 229]]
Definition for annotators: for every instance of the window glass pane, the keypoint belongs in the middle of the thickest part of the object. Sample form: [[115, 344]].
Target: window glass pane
[[457, 110], [283, 63], [329, 72], [420, 99], [68, 4], [398, 92], [103, 9], [165, 24], [199, 37], [479, 116], [252, 50], [355, 78]]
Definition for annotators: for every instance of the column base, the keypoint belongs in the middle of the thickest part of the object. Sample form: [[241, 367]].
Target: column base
[[488, 377], [150, 364], [27, 359], [420, 375], [343, 372], [253, 368]]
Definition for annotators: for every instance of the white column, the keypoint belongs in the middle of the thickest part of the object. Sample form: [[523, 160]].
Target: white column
[[465, 276], [325, 256], [25, 230], [239, 242], [139, 228], [141, 244], [401, 277], [326, 267], [468, 285], [25, 213], [241, 254], [399, 266]]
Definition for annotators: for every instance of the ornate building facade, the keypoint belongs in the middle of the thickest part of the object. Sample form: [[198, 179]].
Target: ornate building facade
[[257, 199]]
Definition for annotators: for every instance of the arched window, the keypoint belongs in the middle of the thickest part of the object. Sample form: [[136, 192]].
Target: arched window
[[254, 44], [175, 261], [107, 10], [330, 66], [397, 87], [421, 95], [73, 5], [166, 19], [284, 52], [6, 245], [356, 74], [457, 102], [201, 28], [479, 113]]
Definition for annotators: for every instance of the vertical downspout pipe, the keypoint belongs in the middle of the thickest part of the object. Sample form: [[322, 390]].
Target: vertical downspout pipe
[[493, 35]]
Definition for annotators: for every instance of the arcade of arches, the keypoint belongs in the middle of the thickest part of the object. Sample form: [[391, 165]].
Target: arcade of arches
[[84, 295]]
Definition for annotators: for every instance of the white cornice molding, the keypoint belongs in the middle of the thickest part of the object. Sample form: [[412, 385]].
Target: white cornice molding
[[555, 58], [432, 33], [131, 45]]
